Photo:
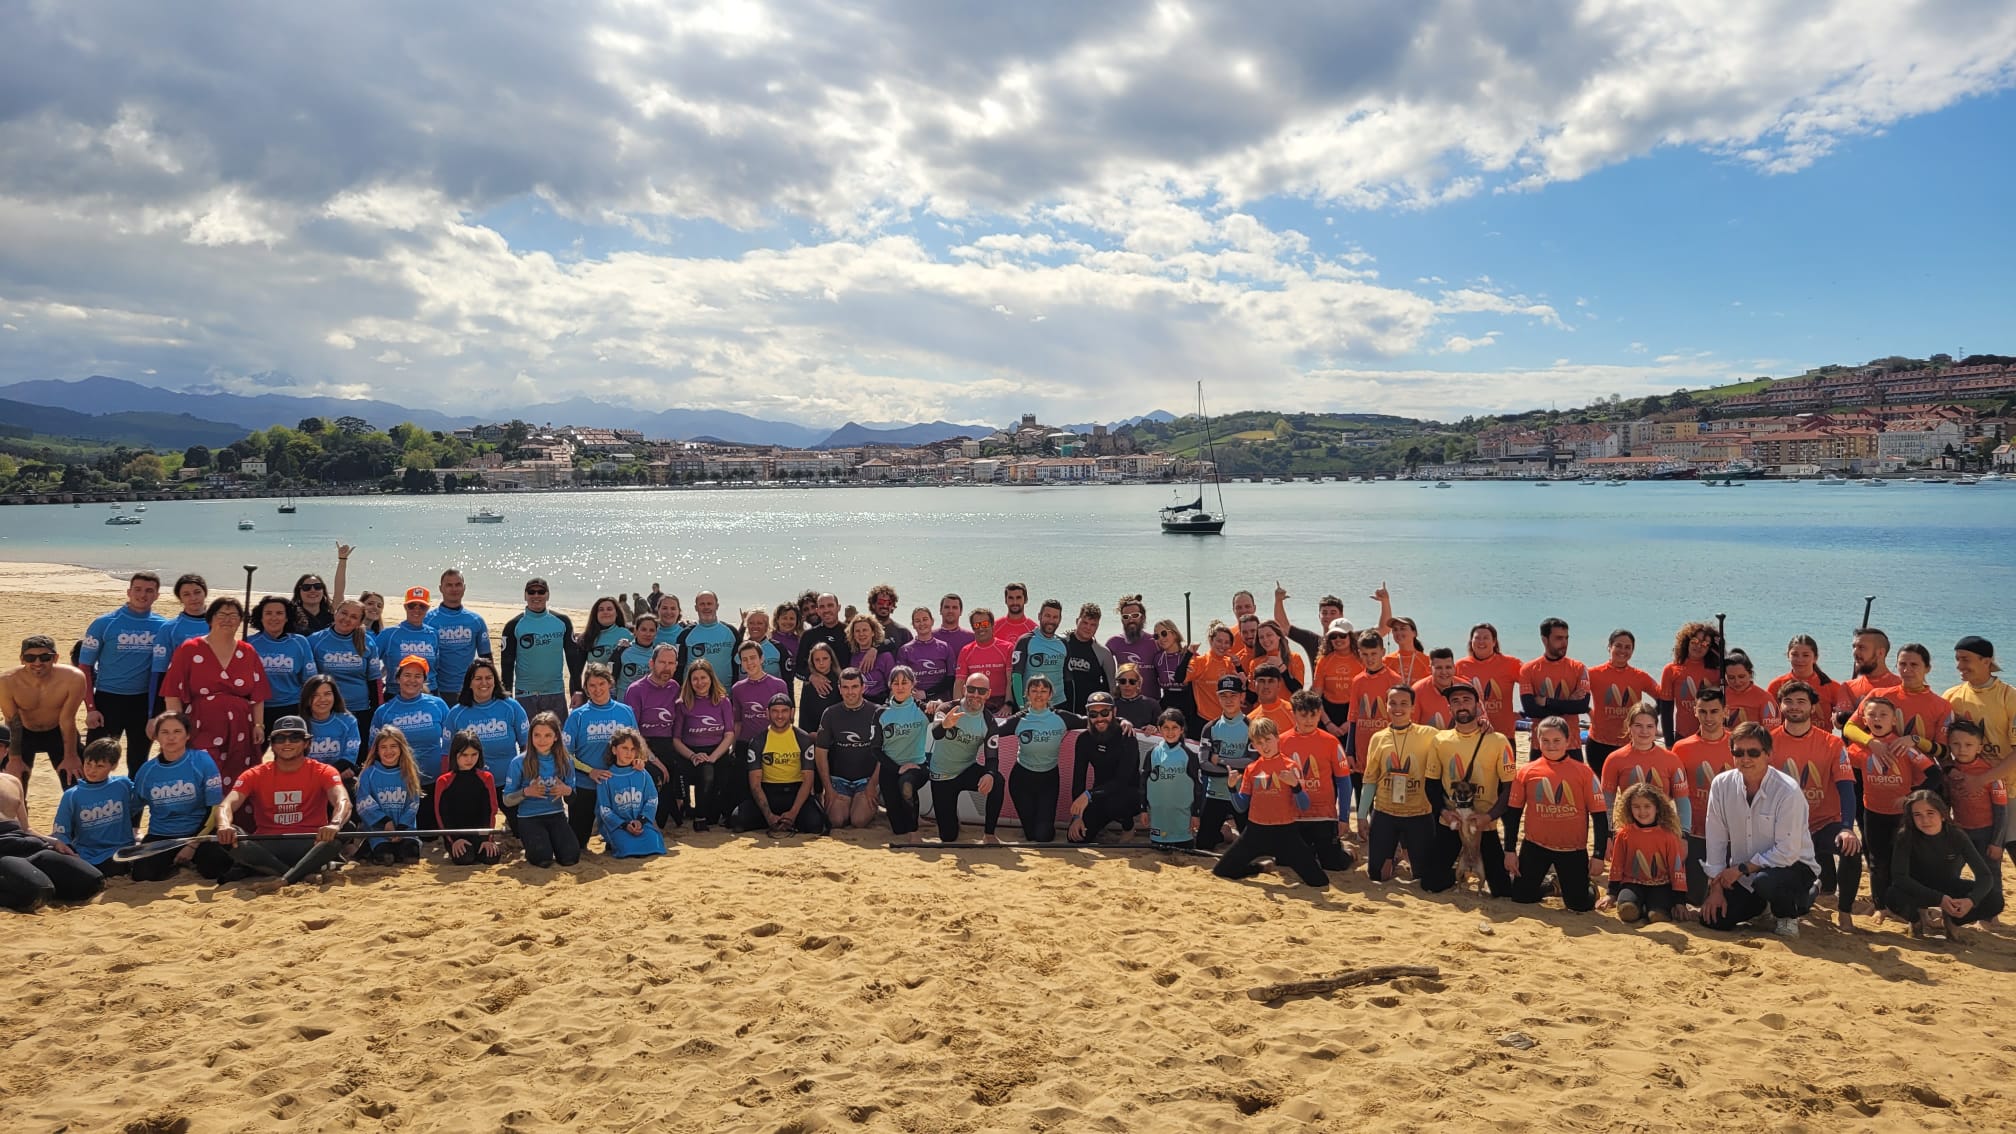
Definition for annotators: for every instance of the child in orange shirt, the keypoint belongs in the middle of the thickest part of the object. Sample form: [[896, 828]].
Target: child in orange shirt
[[1648, 871], [1270, 791], [1974, 788], [1890, 768]]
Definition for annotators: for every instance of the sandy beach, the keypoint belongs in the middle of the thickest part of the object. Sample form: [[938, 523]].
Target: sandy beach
[[834, 984]]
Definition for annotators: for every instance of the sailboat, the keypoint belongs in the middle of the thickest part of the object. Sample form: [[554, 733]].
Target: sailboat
[[287, 509], [1193, 518]]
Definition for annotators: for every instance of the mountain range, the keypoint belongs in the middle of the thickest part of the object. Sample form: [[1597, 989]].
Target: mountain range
[[166, 418]]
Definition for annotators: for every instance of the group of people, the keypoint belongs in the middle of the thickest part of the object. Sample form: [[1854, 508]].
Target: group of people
[[1700, 793]]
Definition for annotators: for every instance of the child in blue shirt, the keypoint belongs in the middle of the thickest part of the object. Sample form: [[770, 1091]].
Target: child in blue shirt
[[98, 813], [626, 804], [179, 789], [535, 790], [388, 796]]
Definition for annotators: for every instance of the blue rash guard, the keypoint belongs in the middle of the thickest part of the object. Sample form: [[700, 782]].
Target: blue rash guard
[[403, 641], [630, 664], [288, 660], [1172, 792], [183, 627], [424, 720], [905, 730], [535, 654], [544, 769], [1036, 654], [336, 655], [587, 732], [1224, 743], [1039, 736], [126, 651], [773, 658], [959, 749], [711, 642], [97, 819], [334, 741], [464, 637], [178, 796], [500, 723], [382, 795], [628, 794]]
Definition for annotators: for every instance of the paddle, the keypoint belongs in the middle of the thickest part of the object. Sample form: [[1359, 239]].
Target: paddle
[[1722, 662], [1192, 851], [141, 851], [1868, 603]]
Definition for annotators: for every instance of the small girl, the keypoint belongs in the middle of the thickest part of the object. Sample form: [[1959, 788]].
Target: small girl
[[388, 797], [1926, 887], [1974, 787], [538, 784], [1890, 768], [1172, 787], [626, 802], [465, 798], [1647, 856]]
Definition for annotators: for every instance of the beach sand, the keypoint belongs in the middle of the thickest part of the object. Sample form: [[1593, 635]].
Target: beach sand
[[749, 984]]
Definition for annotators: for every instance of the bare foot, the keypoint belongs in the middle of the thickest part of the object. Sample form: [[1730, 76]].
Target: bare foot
[[1846, 921], [990, 840], [268, 886]]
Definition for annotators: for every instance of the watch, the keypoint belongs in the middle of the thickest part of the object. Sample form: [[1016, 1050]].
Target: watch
[[1743, 869]]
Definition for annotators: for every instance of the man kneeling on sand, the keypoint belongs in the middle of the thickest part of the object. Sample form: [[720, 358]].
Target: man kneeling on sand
[[292, 796]]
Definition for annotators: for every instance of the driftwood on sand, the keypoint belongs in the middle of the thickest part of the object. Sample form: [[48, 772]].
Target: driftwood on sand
[[1346, 979]]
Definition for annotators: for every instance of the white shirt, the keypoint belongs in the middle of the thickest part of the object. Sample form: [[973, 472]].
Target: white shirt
[[1769, 830]]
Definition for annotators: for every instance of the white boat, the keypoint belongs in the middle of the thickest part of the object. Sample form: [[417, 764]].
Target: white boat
[[1588, 480], [140, 508], [118, 507], [1967, 480], [245, 524], [1272, 480], [122, 521], [1990, 478], [486, 515], [1833, 481], [1613, 482], [1873, 482], [1441, 484]]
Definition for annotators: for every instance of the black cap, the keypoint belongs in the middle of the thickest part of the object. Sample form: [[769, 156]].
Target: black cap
[[1231, 683], [1099, 699], [287, 724], [1976, 644], [783, 699]]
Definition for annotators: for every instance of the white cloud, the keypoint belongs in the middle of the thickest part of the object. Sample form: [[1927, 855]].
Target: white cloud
[[1459, 344]]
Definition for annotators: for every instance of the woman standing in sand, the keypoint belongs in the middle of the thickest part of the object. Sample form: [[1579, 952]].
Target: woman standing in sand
[[221, 683]]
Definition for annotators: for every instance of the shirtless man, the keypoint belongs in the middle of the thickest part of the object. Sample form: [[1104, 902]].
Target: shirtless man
[[39, 701]]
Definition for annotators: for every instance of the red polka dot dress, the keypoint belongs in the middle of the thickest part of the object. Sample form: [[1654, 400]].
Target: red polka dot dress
[[222, 700]]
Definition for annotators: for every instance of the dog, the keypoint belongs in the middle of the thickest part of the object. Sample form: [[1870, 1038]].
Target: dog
[[1470, 828]]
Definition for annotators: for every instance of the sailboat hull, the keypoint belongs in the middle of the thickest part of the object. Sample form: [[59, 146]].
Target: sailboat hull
[[1200, 526]]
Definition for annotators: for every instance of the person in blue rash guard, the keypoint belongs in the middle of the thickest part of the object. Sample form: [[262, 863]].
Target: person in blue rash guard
[[963, 759], [420, 715], [498, 722], [756, 629], [1039, 732], [535, 654], [1224, 745], [626, 804], [345, 653], [604, 636], [709, 639], [633, 660], [286, 656], [588, 731], [194, 595], [97, 814], [412, 638], [123, 655], [1172, 786], [536, 788], [388, 796], [180, 790], [1039, 652], [906, 730], [332, 731], [463, 634]]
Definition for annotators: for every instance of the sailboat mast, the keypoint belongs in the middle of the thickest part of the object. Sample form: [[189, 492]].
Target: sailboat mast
[[1211, 447]]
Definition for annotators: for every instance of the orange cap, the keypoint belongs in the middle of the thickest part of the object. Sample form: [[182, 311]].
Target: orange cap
[[414, 660], [419, 595]]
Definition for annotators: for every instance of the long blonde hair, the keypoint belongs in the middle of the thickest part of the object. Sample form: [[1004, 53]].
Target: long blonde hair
[[409, 771], [715, 692]]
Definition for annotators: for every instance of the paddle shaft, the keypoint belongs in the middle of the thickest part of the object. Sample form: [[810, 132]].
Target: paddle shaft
[[167, 846]]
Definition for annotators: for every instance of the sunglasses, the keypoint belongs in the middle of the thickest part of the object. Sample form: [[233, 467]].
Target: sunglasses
[[1746, 752], [38, 657], [1098, 712], [535, 590], [976, 689], [311, 586], [1128, 681]]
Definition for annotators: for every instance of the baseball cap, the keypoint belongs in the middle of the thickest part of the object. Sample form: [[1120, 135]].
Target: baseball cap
[[1463, 687], [1231, 683], [1975, 644], [414, 660], [1341, 626], [419, 595], [1099, 699], [783, 699], [287, 725]]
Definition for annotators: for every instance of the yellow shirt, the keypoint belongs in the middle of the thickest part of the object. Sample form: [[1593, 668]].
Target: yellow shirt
[[1994, 709], [1485, 758], [786, 756], [1396, 769]]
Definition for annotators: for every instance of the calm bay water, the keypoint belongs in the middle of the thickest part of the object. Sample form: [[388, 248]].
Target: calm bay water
[[1779, 558]]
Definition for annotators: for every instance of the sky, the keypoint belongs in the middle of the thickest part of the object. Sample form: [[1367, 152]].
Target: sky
[[898, 210]]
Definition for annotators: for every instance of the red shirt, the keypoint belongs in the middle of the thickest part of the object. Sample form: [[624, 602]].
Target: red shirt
[[1494, 678], [1860, 687], [1647, 856], [288, 803], [991, 659], [1412, 668], [1816, 762], [1753, 704], [1273, 801], [1678, 683], [1655, 766], [1430, 706], [1322, 762], [1701, 760], [1012, 629], [1834, 696], [1368, 710], [1614, 690], [1563, 680], [1889, 777], [1974, 794], [1923, 713], [1334, 672], [1556, 798]]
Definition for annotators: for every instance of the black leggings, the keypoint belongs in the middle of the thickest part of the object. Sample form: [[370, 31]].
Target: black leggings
[[581, 812], [549, 839], [1211, 822], [1879, 836], [1449, 851], [1840, 874], [126, 719], [1784, 890], [473, 854], [1322, 837], [210, 860], [1282, 843], [28, 742], [1990, 906], [811, 817], [1035, 795], [672, 782], [1389, 833], [1594, 752], [1571, 868], [289, 860], [47, 876], [945, 800], [1102, 811], [899, 803], [1650, 898]]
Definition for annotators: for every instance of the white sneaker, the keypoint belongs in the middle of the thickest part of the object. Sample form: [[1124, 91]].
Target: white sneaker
[[1787, 927]]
